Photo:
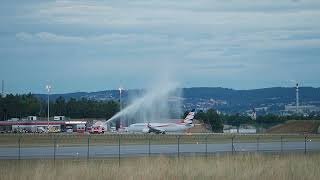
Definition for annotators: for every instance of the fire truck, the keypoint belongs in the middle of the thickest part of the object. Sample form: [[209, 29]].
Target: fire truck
[[96, 130]]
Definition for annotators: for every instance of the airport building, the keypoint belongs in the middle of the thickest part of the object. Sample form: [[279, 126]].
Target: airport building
[[34, 124], [243, 129]]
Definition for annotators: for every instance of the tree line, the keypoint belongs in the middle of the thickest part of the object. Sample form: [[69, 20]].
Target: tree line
[[19, 106], [216, 120]]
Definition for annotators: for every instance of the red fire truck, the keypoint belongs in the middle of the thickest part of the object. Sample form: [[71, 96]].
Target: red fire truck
[[96, 130]]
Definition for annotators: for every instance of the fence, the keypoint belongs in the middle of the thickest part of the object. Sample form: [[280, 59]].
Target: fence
[[53, 146]]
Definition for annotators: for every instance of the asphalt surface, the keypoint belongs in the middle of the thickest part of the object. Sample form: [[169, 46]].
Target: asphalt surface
[[143, 150]]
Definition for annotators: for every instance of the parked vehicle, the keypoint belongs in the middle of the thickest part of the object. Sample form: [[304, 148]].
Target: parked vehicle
[[81, 128], [96, 130]]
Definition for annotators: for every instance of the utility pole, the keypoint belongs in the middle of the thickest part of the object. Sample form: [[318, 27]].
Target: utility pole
[[120, 94], [297, 98], [48, 87], [2, 88], [120, 101], [2, 96]]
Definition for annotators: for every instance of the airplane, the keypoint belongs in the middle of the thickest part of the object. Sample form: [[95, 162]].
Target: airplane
[[162, 128]]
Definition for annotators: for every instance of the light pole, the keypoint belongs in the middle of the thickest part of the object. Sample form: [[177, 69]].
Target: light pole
[[120, 94], [48, 87]]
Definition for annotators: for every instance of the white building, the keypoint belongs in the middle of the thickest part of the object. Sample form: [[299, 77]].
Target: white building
[[32, 118], [302, 109], [59, 118]]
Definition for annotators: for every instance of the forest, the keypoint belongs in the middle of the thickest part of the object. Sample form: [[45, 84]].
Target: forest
[[19, 106]]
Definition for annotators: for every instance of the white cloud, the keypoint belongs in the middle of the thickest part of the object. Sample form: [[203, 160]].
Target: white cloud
[[230, 26], [173, 14], [24, 36], [113, 38], [45, 36], [212, 39], [215, 48]]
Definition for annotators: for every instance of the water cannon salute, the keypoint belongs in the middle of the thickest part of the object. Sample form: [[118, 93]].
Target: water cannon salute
[[159, 89], [158, 104]]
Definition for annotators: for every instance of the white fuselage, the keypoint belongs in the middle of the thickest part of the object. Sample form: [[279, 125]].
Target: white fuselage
[[167, 127]]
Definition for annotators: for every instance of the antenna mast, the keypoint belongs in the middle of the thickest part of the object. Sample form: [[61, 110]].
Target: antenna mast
[[297, 98], [2, 88]]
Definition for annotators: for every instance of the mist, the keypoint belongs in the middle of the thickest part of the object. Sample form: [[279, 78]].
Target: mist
[[159, 103]]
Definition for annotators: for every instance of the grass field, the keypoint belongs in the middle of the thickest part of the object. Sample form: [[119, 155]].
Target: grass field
[[248, 166], [38, 140], [296, 126]]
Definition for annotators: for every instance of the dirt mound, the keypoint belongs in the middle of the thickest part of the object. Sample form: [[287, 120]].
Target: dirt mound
[[296, 126], [198, 128]]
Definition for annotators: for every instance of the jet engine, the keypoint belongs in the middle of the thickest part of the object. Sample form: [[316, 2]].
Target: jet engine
[[146, 130]]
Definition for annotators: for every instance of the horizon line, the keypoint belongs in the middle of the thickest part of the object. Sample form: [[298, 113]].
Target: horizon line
[[135, 89]]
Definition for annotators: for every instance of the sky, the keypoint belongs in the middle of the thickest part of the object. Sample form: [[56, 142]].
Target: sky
[[98, 45]]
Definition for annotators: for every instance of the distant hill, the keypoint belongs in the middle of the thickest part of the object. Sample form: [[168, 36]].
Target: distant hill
[[99, 95], [265, 95], [255, 95], [224, 99], [269, 100]]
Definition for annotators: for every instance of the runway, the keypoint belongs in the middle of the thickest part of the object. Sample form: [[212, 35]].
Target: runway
[[145, 149]]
